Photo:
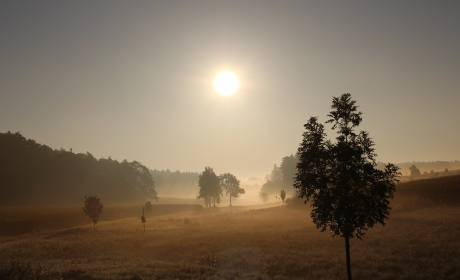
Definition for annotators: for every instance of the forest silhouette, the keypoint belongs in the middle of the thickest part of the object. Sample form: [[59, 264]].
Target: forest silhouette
[[35, 174]]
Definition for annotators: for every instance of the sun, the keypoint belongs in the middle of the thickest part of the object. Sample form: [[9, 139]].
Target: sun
[[226, 83]]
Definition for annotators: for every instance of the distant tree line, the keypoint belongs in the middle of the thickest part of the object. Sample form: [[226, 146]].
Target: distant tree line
[[423, 166], [175, 183], [281, 177], [35, 174]]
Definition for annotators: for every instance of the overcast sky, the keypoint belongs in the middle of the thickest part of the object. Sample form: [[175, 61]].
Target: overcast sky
[[133, 79]]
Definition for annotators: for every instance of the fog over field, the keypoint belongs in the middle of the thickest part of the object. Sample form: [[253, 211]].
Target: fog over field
[[227, 139]]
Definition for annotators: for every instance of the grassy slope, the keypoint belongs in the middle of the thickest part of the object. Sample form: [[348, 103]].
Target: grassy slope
[[272, 243]]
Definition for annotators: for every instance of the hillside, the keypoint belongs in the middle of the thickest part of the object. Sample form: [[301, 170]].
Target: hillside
[[428, 192]]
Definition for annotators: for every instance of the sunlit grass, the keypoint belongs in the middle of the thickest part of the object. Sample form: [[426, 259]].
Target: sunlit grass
[[274, 243]]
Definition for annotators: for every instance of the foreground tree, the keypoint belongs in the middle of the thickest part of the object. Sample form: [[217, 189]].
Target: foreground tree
[[93, 207], [346, 191], [210, 189], [231, 185], [283, 195]]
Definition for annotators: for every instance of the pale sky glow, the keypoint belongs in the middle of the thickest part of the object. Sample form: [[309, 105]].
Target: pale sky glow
[[134, 79]]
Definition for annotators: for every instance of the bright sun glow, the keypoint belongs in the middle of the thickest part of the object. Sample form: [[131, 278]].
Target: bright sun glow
[[226, 83]]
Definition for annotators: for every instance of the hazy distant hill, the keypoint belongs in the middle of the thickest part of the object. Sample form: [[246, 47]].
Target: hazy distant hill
[[427, 192]]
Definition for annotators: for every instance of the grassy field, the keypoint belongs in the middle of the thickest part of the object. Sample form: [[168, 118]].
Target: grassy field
[[420, 241], [21, 220]]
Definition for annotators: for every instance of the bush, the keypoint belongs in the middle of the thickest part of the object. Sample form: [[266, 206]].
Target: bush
[[148, 206], [294, 201]]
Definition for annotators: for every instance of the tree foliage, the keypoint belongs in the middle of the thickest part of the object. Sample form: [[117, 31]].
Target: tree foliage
[[93, 208], [281, 176], [31, 173], [148, 206], [288, 168], [283, 195], [414, 171], [264, 197], [347, 192], [210, 188], [231, 185]]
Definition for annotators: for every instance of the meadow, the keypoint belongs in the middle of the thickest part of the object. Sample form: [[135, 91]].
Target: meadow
[[420, 241]]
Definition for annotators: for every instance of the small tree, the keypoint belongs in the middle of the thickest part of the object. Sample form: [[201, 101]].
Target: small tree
[[231, 185], [143, 220], [148, 206], [447, 170], [414, 171], [347, 192], [283, 195], [210, 188], [93, 207], [264, 197]]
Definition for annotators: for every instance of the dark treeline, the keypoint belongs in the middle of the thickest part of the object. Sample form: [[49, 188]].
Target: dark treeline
[[35, 174], [176, 183], [281, 177]]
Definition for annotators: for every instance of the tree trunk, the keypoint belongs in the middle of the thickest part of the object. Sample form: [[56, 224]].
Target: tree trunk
[[230, 200], [347, 249]]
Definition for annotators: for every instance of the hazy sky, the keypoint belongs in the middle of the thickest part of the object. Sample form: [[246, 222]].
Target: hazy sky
[[133, 79]]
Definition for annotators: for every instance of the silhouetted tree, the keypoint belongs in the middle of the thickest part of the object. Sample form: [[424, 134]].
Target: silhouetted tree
[[143, 220], [414, 171], [148, 206], [280, 177], [288, 170], [347, 193], [446, 170], [231, 185], [264, 197], [283, 195], [93, 207], [210, 189]]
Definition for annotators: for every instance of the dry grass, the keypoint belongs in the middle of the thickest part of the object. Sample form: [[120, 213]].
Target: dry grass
[[21, 220], [420, 241], [274, 243]]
